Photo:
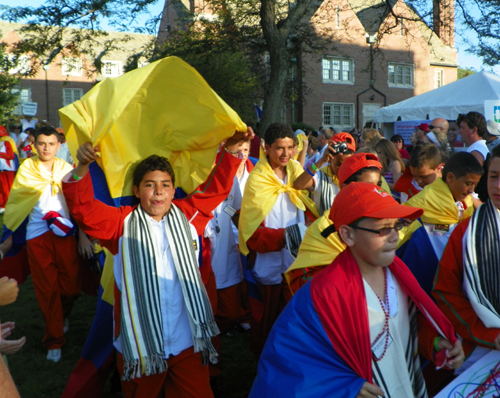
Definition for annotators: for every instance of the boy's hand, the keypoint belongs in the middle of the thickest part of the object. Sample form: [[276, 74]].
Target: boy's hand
[[455, 356], [86, 154], [8, 290], [370, 391], [239, 136]]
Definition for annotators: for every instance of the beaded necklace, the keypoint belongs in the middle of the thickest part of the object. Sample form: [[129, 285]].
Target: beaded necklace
[[387, 312]]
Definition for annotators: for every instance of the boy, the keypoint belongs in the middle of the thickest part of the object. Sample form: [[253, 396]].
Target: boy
[[323, 182], [353, 332], [270, 205], [360, 167], [50, 241], [445, 202], [425, 166], [163, 319], [466, 285]]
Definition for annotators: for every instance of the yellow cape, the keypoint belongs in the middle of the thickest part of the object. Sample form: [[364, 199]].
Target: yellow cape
[[315, 250], [261, 192], [165, 108], [300, 144], [439, 205], [31, 180], [11, 142]]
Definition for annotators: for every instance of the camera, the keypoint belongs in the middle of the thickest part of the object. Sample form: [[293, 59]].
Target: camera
[[339, 147]]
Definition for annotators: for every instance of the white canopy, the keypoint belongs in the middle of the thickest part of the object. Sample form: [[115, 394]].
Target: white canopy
[[464, 95]]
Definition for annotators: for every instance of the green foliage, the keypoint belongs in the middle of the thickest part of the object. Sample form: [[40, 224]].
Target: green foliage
[[8, 99], [464, 72], [303, 126]]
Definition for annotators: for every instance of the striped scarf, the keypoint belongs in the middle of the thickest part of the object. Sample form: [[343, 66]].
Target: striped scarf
[[329, 189], [481, 250], [141, 329]]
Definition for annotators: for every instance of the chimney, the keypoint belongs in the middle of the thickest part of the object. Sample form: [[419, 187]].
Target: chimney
[[444, 21]]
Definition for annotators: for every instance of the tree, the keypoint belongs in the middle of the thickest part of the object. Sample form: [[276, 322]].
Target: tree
[[464, 72], [8, 81]]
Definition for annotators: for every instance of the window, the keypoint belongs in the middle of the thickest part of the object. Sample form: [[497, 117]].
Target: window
[[338, 70], [438, 78], [71, 66], [111, 68], [401, 75], [24, 96], [339, 116], [70, 95]]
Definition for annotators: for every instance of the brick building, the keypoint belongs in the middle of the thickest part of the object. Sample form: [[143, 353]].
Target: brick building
[[343, 87], [67, 77]]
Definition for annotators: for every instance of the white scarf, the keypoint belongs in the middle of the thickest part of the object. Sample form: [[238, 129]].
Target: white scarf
[[141, 328]]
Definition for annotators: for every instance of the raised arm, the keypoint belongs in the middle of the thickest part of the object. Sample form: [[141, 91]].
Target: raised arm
[[306, 180]]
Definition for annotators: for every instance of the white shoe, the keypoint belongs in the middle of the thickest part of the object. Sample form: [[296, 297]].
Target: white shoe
[[54, 355], [245, 326], [65, 325]]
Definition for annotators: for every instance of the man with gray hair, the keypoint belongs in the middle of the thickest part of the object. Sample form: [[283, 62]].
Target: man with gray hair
[[492, 137], [324, 136]]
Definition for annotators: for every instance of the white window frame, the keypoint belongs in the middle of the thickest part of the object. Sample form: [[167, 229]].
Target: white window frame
[[335, 68], [75, 93], [116, 68], [438, 77], [71, 66], [24, 96], [343, 111], [403, 70]]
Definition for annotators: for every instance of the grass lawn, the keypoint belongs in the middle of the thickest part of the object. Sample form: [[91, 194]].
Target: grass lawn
[[36, 377]]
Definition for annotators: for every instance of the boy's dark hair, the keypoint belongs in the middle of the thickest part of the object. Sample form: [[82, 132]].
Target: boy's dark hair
[[30, 131], [48, 131], [460, 164], [354, 177], [152, 163], [474, 119], [277, 131], [425, 154], [495, 153]]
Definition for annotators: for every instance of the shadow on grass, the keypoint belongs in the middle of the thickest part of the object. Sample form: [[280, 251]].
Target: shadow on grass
[[36, 377]]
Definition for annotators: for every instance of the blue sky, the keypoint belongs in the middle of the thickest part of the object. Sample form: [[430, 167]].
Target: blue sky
[[464, 59]]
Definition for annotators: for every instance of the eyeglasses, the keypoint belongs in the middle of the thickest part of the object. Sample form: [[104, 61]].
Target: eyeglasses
[[397, 140], [432, 127], [383, 231]]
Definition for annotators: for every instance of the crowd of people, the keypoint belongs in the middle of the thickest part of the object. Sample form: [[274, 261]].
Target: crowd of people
[[292, 238]]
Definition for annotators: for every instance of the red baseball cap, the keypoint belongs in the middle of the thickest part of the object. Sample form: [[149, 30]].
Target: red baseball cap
[[3, 132], [423, 126], [361, 199], [344, 137], [356, 162]]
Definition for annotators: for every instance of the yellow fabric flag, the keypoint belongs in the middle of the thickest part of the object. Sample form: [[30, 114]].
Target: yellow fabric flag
[[261, 192], [300, 144], [31, 180], [439, 205], [165, 108], [315, 250]]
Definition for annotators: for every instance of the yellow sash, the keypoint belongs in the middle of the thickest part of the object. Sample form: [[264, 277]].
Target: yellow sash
[[300, 144], [31, 180], [439, 205], [315, 250], [165, 108], [261, 192]]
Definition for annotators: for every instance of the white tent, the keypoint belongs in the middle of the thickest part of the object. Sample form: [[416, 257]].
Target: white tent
[[464, 95]]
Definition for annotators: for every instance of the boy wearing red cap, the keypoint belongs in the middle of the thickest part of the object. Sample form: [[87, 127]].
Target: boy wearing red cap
[[311, 259], [357, 324], [324, 182]]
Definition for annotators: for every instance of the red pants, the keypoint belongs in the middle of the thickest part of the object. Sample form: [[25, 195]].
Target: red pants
[[185, 377], [274, 299], [54, 269], [6, 180], [230, 307]]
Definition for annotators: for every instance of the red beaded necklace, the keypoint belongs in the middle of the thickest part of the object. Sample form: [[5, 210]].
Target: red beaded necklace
[[387, 312]]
